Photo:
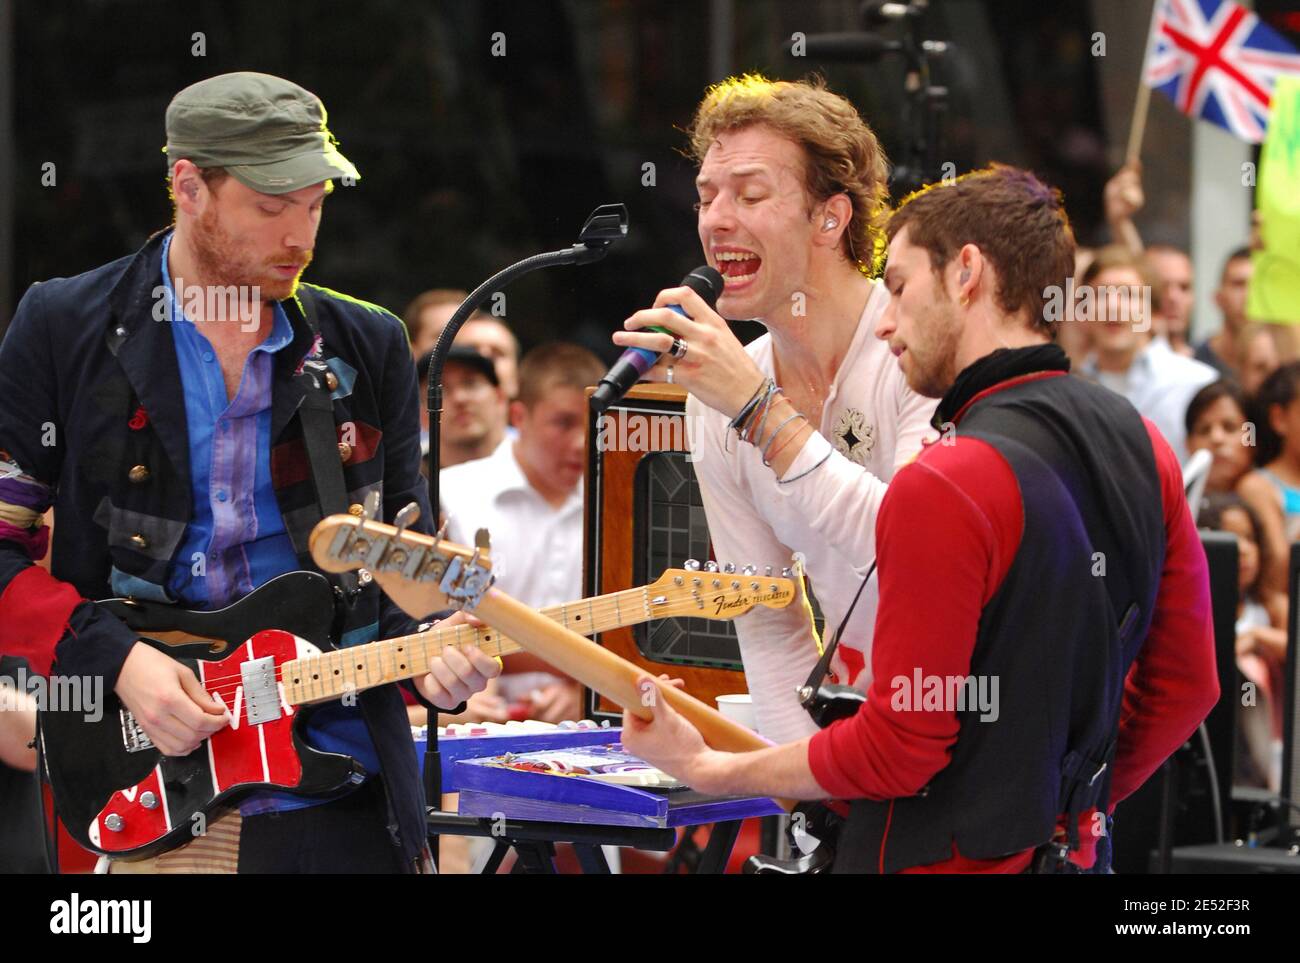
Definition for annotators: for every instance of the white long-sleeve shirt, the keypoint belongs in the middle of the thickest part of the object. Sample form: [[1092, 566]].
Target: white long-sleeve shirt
[[875, 424], [536, 548]]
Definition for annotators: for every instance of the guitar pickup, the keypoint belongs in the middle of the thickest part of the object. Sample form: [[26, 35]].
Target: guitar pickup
[[261, 690]]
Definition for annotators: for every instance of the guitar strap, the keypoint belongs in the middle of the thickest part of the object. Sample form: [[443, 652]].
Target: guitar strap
[[320, 438], [823, 666]]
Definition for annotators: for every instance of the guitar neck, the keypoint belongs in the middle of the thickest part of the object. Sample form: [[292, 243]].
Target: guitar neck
[[610, 675], [332, 675]]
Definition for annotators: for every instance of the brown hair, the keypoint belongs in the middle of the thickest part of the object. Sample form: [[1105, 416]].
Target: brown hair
[[843, 155], [1282, 336], [558, 364], [429, 299], [1119, 257], [1016, 221]]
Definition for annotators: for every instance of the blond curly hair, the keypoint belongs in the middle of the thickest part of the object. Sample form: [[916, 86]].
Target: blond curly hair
[[843, 153]]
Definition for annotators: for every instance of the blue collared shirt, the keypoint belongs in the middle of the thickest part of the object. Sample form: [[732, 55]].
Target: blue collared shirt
[[236, 540]]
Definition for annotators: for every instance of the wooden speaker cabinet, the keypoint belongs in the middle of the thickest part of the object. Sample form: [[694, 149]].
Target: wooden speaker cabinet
[[643, 515]]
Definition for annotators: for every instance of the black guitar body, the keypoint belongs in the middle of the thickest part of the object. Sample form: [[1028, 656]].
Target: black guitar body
[[828, 704], [120, 796]]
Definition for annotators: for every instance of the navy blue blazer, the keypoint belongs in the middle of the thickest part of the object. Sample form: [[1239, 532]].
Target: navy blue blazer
[[92, 421]]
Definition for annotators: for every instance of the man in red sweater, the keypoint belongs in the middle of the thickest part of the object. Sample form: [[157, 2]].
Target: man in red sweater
[[1043, 640]]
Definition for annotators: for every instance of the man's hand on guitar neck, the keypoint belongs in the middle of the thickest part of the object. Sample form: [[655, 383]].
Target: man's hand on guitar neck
[[670, 742], [458, 673], [168, 702]]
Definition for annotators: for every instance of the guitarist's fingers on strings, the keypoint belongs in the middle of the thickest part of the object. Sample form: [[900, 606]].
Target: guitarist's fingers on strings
[[667, 740], [167, 700], [457, 675]]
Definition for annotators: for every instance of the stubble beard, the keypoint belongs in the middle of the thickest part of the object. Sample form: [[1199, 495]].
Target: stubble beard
[[933, 377], [221, 263]]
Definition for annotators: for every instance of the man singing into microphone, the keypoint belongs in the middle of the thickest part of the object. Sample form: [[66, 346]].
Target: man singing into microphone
[[1043, 554], [792, 189]]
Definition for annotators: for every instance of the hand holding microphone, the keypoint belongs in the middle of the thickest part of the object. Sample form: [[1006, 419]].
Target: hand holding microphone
[[709, 361], [633, 364]]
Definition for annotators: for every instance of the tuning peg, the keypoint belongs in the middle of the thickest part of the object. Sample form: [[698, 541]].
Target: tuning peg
[[408, 514], [767, 571], [691, 565], [370, 510], [710, 566], [729, 568], [749, 570], [787, 573]]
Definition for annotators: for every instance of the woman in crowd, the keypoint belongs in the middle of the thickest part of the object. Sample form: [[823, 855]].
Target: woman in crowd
[[1217, 421], [1277, 416], [1261, 648]]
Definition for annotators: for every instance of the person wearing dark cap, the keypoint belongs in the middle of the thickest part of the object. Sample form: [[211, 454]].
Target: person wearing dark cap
[[474, 407], [175, 457]]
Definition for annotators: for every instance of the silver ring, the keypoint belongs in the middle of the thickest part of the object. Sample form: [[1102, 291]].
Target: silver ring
[[669, 379], [678, 349]]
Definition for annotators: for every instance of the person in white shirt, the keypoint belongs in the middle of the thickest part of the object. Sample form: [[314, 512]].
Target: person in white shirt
[[474, 409], [1117, 299], [528, 495], [792, 186]]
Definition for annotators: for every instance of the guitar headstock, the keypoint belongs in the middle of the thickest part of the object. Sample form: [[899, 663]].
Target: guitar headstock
[[421, 573], [711, 591]]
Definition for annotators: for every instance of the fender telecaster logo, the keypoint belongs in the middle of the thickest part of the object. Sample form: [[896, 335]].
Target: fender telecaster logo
[[722, 603]]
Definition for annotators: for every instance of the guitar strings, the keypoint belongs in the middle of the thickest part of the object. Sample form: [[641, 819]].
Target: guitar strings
[[604, 605], [600, 606]]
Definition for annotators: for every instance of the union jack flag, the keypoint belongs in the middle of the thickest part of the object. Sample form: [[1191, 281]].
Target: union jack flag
[[1215, 60]]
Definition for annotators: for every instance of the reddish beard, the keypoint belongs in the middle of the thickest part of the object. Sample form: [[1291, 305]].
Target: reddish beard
[[221, 262]]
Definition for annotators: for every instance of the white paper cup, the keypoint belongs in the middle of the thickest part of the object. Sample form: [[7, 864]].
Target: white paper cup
[[739, 707]]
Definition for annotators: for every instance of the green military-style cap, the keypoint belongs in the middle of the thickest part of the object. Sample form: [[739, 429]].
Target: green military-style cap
[[270, 134]]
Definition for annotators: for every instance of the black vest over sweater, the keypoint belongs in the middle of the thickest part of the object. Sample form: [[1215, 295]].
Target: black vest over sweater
[[1051, 635]]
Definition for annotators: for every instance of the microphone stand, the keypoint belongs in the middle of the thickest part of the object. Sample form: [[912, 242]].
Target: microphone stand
[[607, 224], [923, 101]]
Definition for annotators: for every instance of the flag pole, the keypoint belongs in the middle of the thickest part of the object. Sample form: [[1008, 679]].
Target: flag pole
[[1138, 127]]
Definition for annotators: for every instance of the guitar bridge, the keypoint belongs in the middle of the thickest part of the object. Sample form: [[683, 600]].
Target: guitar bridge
[[133, 737]]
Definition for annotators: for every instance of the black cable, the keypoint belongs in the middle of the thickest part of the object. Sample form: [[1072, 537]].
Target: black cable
[[1216, 800], [49, 839], [1284, 800]]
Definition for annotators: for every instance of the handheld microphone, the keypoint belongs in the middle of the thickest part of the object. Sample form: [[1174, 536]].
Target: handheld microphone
[[635, 362]]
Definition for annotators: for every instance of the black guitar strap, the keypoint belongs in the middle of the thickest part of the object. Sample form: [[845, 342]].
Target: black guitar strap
[[823, 666], [320, 438]]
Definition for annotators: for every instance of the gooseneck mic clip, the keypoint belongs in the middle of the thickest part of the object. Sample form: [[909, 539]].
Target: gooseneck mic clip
[[606, 225]]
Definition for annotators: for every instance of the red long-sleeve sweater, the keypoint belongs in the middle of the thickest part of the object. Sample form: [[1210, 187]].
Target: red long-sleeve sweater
[[947, 533]]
